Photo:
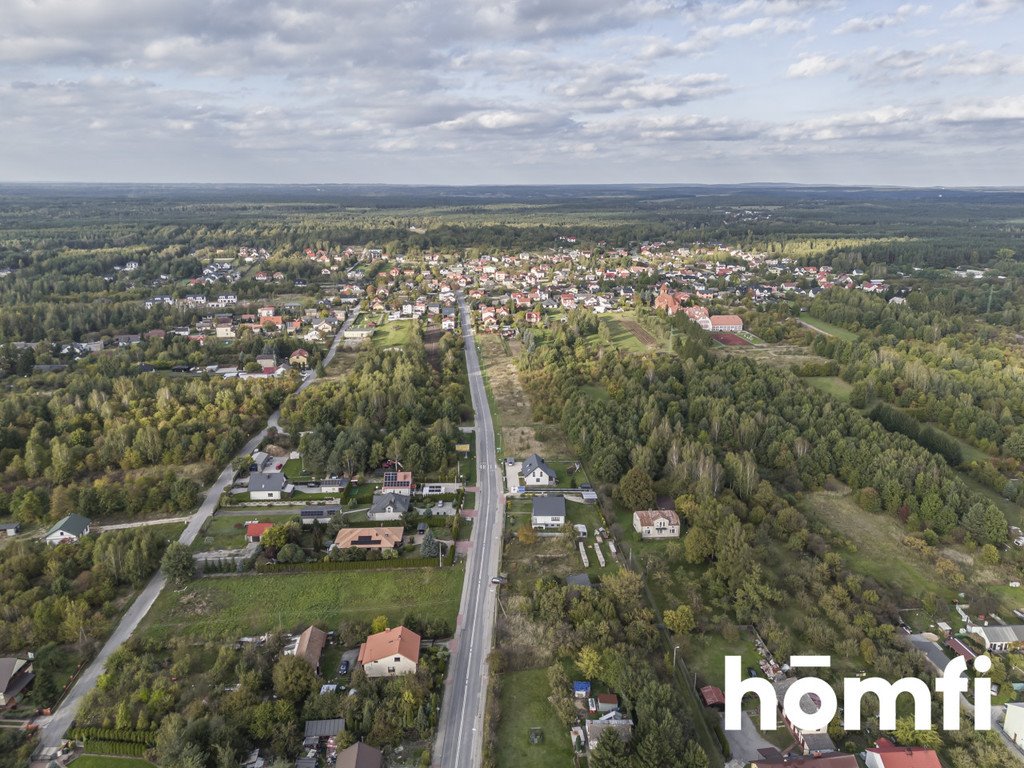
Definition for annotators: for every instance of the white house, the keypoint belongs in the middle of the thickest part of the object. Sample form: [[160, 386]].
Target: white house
[[536, 472], [998, 637], [656, 523], [268, 486], [1014, 722], [71, 528], [548, 512], [390, 653]]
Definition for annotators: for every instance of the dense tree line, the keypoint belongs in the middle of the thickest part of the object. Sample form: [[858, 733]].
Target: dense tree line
[[391, 404]]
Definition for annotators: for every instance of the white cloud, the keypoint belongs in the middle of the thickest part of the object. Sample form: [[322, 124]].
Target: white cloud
[[985, 10], [812, 65], [874, 23]]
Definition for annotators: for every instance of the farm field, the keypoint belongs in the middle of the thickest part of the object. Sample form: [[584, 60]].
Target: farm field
[[245, 605], [524, 705], [730, 340]]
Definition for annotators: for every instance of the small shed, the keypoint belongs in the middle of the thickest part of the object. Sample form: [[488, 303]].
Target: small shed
[[581, 689], [712, 697]]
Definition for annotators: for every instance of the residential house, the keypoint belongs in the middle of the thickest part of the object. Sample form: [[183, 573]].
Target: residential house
[[773, 758], [360, 755], [1013, 723], [398, 482], [656, 523], [254, 531], [998, 637], [268, 486], [548, 512], [610, 721], [9, 529], [536, 472], [267, 363], [388, 506], [726, 323], [390, 653], [369, 538], [15, 676], [607, 702], [299, 358], [71, 528], [885, 754], [309, 647], [810, 740]]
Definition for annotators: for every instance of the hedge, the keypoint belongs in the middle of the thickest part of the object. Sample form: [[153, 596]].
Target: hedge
[[104, 735], [114, 748]]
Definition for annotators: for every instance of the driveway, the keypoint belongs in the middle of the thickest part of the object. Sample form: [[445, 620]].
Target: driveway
[[746, 742]]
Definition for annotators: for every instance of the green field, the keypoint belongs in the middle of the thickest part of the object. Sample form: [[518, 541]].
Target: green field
[[228, 531], [524, 705], [247, 605], [831, 330], [106, 761], [397, 333], [833, 385], [706, 656], [623, 338], [877, 550]]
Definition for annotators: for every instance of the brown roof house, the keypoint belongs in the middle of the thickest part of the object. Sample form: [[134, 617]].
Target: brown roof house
[[656, 523], [360, 755], [369, 538], [309, 646], [390, 653], [15, 676]]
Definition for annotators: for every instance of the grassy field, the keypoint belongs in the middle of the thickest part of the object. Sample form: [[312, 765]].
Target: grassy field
[[877, 550], [228, 531], [833, 385], [524, 705], [623, 338], [293, 471], [707, 657], [106, 761], [519, 434], [828, 328], [397, 333], [248, 605]]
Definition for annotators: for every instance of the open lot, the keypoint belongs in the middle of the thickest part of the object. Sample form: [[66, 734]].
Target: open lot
[[228, 607], [827, 328], [107, 761], [876, 548], [518, 433], [396, 333], [524, 705], [833, 385], [228, 531]]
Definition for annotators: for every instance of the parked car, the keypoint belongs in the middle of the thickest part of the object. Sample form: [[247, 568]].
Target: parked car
[[343, 668], [498, 580]]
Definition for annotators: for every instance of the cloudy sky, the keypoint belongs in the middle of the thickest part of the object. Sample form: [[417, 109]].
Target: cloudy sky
[[512, 91]]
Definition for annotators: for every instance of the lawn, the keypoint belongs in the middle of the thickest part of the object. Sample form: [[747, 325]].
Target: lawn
[[524, 705], [833, 385], [228, 531], [706, 654], [294, 472], [397, 333], [828, 328], [623, 338], [246, 605], [107, 761]]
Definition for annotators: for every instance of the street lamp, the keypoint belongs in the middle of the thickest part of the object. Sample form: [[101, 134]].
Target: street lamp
[[674, 656]]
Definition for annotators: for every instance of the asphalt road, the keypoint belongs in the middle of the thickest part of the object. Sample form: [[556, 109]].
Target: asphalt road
[[460, 730], [53, 728]]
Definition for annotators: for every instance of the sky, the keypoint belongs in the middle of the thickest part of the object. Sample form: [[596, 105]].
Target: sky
[[512, 91]]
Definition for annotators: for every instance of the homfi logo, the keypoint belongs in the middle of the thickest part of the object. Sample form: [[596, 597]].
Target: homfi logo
[[950, 686]]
